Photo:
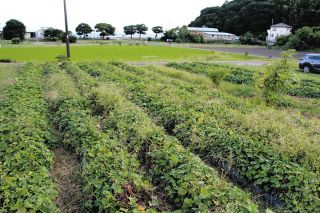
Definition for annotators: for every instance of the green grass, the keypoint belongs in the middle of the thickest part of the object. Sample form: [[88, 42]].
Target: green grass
[[120, 53]]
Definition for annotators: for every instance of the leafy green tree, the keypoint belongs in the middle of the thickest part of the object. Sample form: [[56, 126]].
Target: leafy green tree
[[72, 38], [248, 38], [141, 29], [305, 38], [170, 34], [157, 30], [53, 34], [282, 40], [130, 30], [184, 35], [83, 29], [105, 29], [241, 16], [14, 29], [277, 78]]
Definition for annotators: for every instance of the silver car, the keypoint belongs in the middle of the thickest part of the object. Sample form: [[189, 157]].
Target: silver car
[[310, 62]]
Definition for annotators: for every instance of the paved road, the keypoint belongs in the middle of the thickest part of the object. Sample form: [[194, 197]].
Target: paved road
[[257, 51], [241, 63]]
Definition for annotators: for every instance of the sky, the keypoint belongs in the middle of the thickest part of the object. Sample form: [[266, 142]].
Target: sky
[[49, 13]]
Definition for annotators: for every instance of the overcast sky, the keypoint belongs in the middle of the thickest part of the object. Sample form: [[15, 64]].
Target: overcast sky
[[49, 13]]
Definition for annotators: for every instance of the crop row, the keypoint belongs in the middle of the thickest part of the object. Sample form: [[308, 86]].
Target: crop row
[[111, 177], [304, 88], [285, 133], [184, 179], [25, 160], [295, 185]]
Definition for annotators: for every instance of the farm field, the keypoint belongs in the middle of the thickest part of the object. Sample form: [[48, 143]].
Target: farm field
[[120, 53], [240, 82], [8, 74], [154, 139]]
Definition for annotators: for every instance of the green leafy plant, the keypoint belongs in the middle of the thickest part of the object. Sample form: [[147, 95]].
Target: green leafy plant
[[277, 78], [111, 177], [184, 178], [25, 160], [217, 76], [213, 132]]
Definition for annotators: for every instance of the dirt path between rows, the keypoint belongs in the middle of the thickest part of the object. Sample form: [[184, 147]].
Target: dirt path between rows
[[66, 173]]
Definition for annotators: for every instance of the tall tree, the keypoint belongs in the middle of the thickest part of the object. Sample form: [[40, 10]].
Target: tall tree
[[14, 29], [130, 30], [83, 29], [141, 29], [240, 16], [170, 34], [53, 34], [157, 30], [105, 29]]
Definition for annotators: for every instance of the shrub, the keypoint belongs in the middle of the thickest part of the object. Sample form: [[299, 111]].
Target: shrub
[[15, 41], [72, 39], [149, 39], [305, 88], [217, 76], [282, 40], [249, 39], [305, 38], [277, 78], [7, 60], [61, 58]]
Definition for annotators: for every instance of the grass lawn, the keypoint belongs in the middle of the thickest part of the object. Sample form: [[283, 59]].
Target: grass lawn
[[120, 53]]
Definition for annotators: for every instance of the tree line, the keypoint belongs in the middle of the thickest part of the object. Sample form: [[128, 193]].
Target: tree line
[[108, 30], [15, 29], [255, 16]]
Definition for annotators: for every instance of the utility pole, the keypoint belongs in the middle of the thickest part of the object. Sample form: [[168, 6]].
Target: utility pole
[[67, 30]]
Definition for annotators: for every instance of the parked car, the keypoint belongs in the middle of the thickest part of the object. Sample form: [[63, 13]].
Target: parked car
[[310, 62]]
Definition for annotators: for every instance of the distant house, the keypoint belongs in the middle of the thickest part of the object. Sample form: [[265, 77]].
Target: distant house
[[212, 34], [30, 35], [277, 30], [35, 35]]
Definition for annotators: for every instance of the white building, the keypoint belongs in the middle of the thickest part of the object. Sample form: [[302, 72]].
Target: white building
[[39, 34], [212, 34], [204, 29], [277, 30], [220, 36]]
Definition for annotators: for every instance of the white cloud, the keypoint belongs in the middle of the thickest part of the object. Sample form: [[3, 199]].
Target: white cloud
[[46, 13]]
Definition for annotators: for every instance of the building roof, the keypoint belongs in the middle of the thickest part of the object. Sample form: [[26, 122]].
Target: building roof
[[203, 29], [282, 25], [220, 33]]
